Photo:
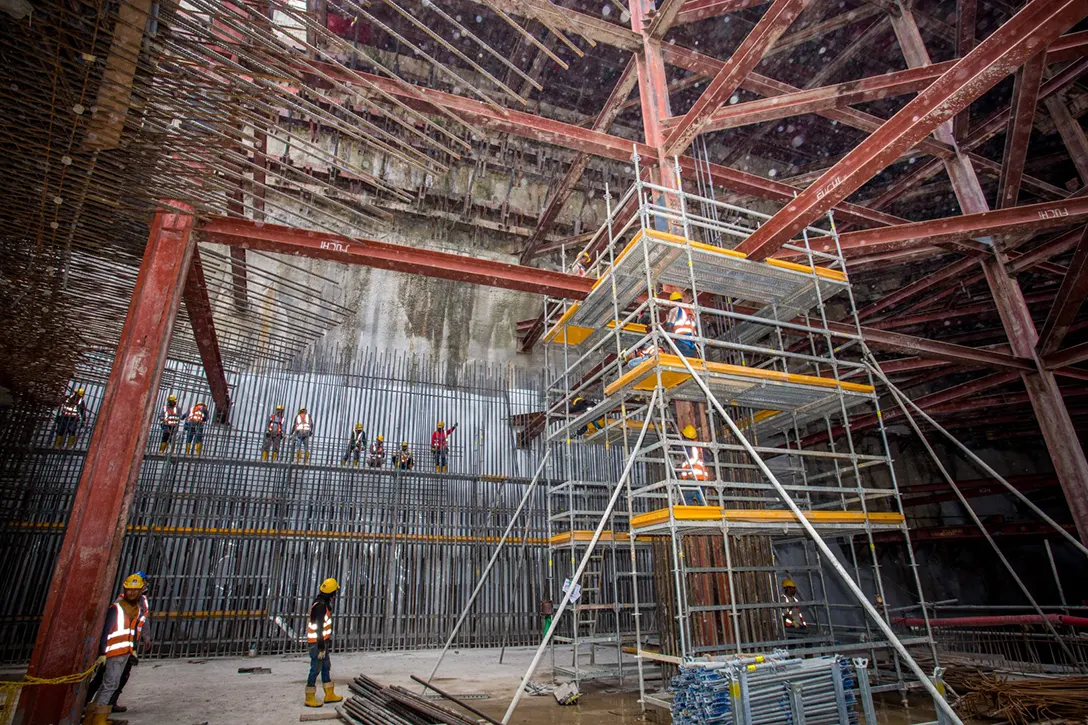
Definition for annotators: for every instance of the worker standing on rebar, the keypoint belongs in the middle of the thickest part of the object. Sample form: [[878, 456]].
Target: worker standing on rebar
[[792, 617], [171, 416], [680, 322], [273, 434], [126, 624], [194, 428], [70, 418], [403, 459], [142, 636], [440, 446], [356, 444], [376, 455], [319, 640], [302, 430]]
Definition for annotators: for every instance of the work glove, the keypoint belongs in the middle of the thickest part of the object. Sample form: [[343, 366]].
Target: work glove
[[321, 654]]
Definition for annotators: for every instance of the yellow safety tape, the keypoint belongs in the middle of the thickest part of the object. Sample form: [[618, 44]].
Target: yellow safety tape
[[9, 691]]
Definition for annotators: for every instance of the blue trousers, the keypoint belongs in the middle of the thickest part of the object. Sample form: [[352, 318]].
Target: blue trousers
[[318, 666], [686, 347]]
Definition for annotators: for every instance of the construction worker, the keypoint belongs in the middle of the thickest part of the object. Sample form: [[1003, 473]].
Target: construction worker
[[680, 322], [302, 430], [636, 356], [403, 459], [273, 434], [356, 444], [584, 263], [194, 428], [692, 468], [376, 455], [791, 614], [440, 446], [126, 623], [171, 416], [319, 640], [70, 418], [142, 635]]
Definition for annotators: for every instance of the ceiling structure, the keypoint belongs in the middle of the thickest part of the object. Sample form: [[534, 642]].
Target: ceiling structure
[[943, 135]]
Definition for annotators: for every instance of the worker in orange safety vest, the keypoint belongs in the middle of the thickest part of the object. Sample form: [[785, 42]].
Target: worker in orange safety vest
[[273, 434], [125, 625], [319, 641], [792, 617], [692, 468], [302, 430], [194, 428]]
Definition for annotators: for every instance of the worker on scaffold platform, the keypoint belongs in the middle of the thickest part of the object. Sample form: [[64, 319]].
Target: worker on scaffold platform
[[440, 446], [194, 428], [403, 459], [375, 457], [302, 430], [792, 617], [273, 434], [319, 640], [692, 468], [171, 417], [356, 444], [680, 322], [70, 419]]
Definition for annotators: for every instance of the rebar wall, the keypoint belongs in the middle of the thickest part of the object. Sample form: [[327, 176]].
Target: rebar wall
[[234, 547]]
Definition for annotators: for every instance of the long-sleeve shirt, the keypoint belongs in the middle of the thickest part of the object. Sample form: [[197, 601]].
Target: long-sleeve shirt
[[440, 439], [357, 440], [74, 406]]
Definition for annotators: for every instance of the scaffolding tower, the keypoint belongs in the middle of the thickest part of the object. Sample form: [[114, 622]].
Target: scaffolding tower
[[727, 386]]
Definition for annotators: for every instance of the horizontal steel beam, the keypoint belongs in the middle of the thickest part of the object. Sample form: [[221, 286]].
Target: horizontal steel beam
[[395, 257]]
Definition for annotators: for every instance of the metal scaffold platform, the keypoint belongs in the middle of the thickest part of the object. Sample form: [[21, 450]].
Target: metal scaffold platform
[[703, 371]]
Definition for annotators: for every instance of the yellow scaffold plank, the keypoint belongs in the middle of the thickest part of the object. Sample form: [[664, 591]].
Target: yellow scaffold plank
[[763, 516]]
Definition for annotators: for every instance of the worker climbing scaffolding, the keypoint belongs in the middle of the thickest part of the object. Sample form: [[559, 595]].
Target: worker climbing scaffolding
[[356, 445], [792, 618], [692, 468], [440, 446], [171, 417], [302, 430], [273, 434], [70, 419]]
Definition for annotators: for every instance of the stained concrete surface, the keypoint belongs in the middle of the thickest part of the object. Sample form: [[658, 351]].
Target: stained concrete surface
[[193, 692]]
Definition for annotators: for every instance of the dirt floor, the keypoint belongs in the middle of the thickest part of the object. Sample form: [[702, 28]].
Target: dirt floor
[[213, 692]]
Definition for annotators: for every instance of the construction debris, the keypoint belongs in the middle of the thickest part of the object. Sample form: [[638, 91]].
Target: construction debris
[[1022, 701], [372, 703]]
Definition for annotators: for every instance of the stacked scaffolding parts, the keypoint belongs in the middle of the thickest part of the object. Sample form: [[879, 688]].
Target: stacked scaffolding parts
[[720, 365]]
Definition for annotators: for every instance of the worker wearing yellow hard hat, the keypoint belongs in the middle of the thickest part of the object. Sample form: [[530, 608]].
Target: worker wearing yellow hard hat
[[693, 468], [792, 617], [356, 445], [403, 459], [440, 446], [70, 418], [126, 625], [301, 431], [194, 427], [681, 322], [171, 417], [375, 457], [273, 434], [319, 641]]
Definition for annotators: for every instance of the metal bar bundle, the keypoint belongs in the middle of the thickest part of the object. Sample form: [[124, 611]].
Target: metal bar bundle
[[750, 690], [373, 704]]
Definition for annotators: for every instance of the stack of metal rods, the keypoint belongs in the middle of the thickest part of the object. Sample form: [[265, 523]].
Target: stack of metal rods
[[373, 704]]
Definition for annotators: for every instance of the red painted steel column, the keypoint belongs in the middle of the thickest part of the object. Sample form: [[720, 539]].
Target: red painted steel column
[[653, 89], [199, 308], [86, 569]]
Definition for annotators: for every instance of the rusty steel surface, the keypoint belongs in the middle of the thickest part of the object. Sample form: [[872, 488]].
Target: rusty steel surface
[[81, 587], [199, 309]]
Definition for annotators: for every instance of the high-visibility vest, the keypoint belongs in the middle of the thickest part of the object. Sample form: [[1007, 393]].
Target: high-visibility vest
[[71, 407], [324, 627], [792, 617], [141, 618], [303, 423], [197, 413], [377, 449], [681, 321], [275, 424], [170, 415], [121, 636], [693, 466]]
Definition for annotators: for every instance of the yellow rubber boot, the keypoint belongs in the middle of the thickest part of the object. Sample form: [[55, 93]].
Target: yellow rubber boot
[[264, 455], [275, 455], [71, 441], [198, 447], [59, 442], [99, 716], [311, 700], [330, 693], [162, 448], [188, 448], [307, 458], [298, 456]]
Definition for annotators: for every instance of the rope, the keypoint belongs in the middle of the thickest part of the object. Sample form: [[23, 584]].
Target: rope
[[9, 691]]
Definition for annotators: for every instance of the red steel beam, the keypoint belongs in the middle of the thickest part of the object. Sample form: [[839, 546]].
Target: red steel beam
[[774, 22], [1051, 248], [1030, 217], [1067, 304], [975, 488], [933, 349], [1068, 356], [82, 584], [979, 309], [956, 533], [626, 83], [966, 21], [1022, 115], [199, 309], [1038, 24], [917, 287], [693, 11], [1072, 135], [395, 257]]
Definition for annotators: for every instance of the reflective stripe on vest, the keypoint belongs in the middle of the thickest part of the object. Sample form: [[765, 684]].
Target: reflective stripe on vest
[[141, 620], [303, 423], [793, 613], [196, 413], [326, 629], [170, 415], [275, 423], [120, 638], [681, 322], [693, 467], [70, 409]]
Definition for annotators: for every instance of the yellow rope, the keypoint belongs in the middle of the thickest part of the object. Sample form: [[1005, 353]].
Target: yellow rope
[[9, 691]]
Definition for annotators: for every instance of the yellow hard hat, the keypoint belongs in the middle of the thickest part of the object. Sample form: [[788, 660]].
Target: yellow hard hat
[[329, 586], [441, 424], [689, 432], [81, 391], [358, 426], [585, 255], [279, 407], [381, 439], [172, 398], [302, 409], [788, 583], [134, 581], [676, 296], [404, 444], [200, 403]]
